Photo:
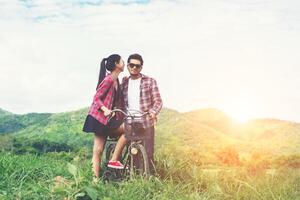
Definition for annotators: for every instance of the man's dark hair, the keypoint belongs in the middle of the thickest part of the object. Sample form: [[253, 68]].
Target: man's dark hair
[[136, 57]]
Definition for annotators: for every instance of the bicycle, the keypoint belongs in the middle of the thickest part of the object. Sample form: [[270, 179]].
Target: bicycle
[[134, 154]]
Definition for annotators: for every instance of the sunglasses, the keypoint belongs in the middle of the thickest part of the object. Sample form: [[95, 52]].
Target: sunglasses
[[131, 65]]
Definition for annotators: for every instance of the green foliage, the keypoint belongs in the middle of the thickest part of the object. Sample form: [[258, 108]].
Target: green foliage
[[199, 155], [28, 176], [292, 161], [229, 156], [39, 133], [208, 129], [22, 145], [13, 123], [4, 112], [51, 176], [6, 143]]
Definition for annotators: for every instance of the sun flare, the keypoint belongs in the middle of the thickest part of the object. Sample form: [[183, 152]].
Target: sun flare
[[240, 111], [240, 116]]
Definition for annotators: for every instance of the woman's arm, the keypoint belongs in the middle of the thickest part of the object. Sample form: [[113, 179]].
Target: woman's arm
[[102, 90]]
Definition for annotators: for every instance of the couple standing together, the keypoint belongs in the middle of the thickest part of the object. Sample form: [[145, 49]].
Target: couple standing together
[[137, 92]]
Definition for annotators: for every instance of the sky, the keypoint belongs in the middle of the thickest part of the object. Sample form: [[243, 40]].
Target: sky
[[239, 56]]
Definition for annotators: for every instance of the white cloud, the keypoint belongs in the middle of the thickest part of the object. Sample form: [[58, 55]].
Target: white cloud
[[203, 53]]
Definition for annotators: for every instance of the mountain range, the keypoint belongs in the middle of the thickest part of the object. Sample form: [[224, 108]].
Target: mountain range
[[198, 130]]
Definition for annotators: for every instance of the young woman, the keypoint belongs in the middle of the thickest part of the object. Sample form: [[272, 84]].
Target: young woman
[[106, 98]]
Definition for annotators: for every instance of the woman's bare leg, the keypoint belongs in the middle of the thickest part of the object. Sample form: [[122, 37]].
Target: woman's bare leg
[[99, 142], [120, 144]]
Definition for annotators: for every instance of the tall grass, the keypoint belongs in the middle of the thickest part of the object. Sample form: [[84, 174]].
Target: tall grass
[[68, 176]]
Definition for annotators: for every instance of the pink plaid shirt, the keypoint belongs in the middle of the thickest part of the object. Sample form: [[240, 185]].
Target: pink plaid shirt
[[103, 97], [150, 99]]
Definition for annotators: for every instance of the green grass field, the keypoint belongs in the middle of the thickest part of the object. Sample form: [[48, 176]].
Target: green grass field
[[199, 155], [68, 176]]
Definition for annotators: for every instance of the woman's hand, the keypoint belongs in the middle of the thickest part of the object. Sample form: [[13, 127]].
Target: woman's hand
[[106, 111]]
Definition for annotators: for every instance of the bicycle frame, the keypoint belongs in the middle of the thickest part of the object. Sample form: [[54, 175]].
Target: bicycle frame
[[136, 144]]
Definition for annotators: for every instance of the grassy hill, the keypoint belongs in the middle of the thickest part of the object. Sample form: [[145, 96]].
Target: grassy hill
[[4, 112], [10, 123], [205, 130], [201, 154]]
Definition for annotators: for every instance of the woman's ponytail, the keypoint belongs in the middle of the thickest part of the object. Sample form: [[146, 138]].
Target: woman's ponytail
[[102, 72], [107, 64]]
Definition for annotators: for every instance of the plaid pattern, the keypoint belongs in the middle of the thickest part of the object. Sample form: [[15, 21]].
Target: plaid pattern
[[150, 99], [103, 97]]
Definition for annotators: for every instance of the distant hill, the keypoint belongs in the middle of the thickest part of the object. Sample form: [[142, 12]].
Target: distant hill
[[211, 129], [200, 130], [273, 134], [4, 112], [11, 123]]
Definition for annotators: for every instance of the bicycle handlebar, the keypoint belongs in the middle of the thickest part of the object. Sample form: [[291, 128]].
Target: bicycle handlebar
[[130, 115]]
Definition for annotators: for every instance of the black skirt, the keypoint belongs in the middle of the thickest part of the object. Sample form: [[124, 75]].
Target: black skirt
[[92, 125]]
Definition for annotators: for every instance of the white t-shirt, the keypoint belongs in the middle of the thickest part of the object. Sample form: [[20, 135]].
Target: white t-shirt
[[134, 94]]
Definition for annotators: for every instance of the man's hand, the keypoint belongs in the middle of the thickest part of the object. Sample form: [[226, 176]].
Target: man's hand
[[152, 115]]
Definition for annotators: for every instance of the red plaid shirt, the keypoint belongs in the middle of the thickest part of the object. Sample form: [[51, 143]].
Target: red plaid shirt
[[150, 99], [103, 97]]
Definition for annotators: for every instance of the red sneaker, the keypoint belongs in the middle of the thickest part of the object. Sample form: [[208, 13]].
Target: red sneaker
[[115, 165]]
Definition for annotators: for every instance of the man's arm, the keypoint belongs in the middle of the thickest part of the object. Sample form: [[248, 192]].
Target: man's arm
[[156, 98]]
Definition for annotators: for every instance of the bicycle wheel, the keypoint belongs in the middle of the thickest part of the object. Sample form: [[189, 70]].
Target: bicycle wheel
[[111, 175], [107, 176], [109, 151], [141, 163]]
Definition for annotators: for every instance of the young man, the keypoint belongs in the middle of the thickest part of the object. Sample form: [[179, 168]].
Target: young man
[[141, 93]]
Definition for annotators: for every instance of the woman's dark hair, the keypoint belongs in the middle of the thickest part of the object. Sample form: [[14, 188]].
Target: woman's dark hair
[[136, 57], [109, 64]]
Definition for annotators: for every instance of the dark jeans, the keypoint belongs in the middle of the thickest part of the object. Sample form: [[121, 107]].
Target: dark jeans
[[149, 145]]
